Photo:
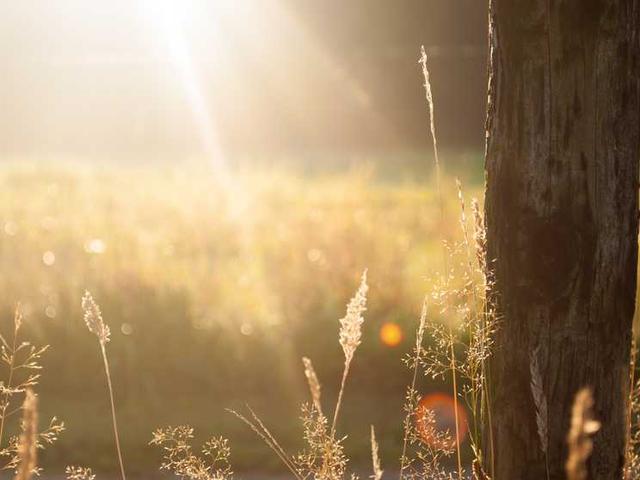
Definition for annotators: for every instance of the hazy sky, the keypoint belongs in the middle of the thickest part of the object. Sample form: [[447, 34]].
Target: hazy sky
[[177, 77]]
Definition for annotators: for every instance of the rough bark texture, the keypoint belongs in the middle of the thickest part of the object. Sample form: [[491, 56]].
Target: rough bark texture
[[562, 216]]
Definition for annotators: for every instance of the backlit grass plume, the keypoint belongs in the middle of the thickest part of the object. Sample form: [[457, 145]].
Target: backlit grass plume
[[95, 324], [351, 323], [350, 336], [375, 457], [323, 456], [314, 383], [93, 319]]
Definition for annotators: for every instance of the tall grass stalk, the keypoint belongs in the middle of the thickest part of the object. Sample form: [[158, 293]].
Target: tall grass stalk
[[28, 441], [350, 337], [345, 374], [313, 382], [324, 456], [487, 399], [476, 323], [113, 409], [432, 125], [95, 324], [375, 457], [455, 405], [261, 430], [480, 241], [411, 395]]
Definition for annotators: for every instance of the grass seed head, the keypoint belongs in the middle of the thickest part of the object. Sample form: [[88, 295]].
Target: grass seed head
[[314, 383], [375, 457], [93, 318], [351, 323]]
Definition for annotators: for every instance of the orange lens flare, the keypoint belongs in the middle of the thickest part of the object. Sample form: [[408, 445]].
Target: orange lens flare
[[391, 334], [435, 420]]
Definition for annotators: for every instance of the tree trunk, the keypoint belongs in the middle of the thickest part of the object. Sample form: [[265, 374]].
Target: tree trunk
[[562, 217]]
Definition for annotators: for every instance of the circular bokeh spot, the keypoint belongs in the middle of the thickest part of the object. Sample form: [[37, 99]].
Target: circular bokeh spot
[[436, 420], [391, 334]]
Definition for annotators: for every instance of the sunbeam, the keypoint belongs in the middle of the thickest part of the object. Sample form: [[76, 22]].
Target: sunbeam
[[170, 17]]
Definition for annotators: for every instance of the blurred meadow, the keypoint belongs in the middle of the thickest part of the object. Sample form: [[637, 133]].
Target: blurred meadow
[[215, 291], [219, 174]]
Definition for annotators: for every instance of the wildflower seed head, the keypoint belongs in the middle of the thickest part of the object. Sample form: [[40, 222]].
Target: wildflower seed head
[[421, 327], [79, 473], [93, 318], [18, 317], [314, 383], [180, 459], [351, 323], [375, 457], [463, 214]]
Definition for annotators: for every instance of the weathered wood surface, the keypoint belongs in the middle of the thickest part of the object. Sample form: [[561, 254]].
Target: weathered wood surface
[[562, 216]]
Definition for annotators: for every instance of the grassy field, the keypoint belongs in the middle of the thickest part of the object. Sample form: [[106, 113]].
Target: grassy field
[[214, 287]]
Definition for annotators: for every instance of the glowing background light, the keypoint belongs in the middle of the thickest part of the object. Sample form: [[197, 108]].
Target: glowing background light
[[443, 408], [391, 334], [171, 19]]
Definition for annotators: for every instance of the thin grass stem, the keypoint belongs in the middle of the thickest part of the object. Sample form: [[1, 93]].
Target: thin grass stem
[[268, 439], [455, 405], [412, 390], [113, 409], [432, 125], [345, 374]]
